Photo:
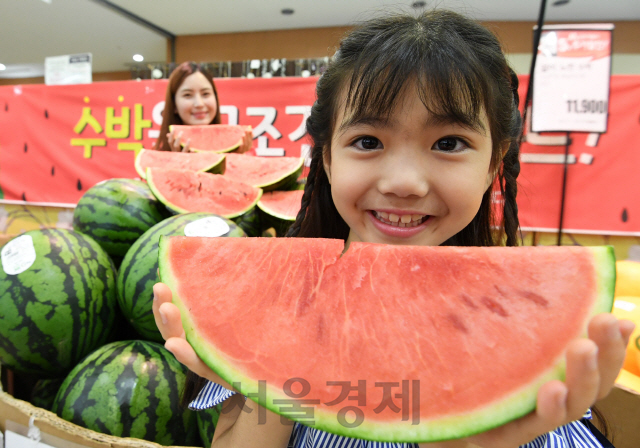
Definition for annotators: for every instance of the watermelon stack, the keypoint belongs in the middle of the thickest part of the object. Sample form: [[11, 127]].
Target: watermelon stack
[[233, 194]]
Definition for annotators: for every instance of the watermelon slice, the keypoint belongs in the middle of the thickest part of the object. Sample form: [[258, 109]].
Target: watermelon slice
[[441, 342], [279, 209], [210, 162], [268, 173], [211, 137], [185, 191]]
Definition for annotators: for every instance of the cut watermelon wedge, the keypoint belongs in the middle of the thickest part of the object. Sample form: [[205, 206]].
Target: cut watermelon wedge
[[443, 342], [210, 162], [211, 137], [184, 191], [279, 209], [268, 173]]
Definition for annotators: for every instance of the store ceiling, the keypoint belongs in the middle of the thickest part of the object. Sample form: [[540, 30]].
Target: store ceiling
[[31, 30]]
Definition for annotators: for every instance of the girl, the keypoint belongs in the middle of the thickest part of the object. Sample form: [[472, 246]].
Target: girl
[[191, 99], [414, 121]]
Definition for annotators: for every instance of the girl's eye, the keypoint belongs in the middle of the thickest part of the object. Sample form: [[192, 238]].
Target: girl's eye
[[367, 143], [450, 144]]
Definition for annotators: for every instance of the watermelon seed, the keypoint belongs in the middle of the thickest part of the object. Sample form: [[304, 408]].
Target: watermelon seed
[[25, 147], [24, 197], [46, 114], [6, 107], [625, 215], [79, 185], [53, 170]]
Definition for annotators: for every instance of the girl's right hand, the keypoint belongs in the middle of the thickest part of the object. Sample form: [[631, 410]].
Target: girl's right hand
[[169, 323], [175, 142], [238, 424]]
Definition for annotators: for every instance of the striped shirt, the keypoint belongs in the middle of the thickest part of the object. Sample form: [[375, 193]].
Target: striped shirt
[[573, 435]]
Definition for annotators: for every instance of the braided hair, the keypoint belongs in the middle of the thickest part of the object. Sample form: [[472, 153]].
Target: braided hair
[[459, 71]]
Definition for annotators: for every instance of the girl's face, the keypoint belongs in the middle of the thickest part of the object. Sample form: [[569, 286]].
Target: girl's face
[[195, 101], [409, 180]]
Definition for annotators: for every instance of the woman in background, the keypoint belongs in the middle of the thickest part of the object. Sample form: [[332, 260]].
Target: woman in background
[[191, 99]]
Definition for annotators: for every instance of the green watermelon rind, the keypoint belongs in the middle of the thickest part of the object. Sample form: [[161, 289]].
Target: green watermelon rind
[[179, 210], [286, 182], [518, 404], [232, 148], [216, 168]]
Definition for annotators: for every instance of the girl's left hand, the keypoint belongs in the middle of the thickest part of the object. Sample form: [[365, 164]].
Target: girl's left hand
[[592, 367], [247, 142]]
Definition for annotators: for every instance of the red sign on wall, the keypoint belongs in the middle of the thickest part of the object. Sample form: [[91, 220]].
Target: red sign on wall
[[58, 141]]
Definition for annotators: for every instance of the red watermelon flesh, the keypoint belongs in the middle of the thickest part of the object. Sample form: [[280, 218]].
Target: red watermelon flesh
[[264, 172], [472, 332], [282, 204], [185, 191], [211, 137], [196, 161]]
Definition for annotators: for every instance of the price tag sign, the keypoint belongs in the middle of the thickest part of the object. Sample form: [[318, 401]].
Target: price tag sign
[[571, 79]]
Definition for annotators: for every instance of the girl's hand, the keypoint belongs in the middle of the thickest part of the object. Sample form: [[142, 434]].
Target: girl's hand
[[175, 142], [236, 425], [592, 367], [169, 323], [247, 142]]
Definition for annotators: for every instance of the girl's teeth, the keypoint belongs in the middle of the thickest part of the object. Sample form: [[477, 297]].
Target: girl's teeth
[[400, 220]]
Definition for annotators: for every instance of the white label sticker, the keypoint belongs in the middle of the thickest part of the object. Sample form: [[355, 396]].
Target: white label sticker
[[18, 255], [211, 226]]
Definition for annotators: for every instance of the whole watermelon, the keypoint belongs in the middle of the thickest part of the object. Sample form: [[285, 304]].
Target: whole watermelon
[[129, 389], [116, 213], [139, 269], [57, 301]]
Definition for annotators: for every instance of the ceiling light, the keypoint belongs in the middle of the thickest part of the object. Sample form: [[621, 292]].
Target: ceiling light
[[418, 5], [138, 57], [3, 67], [287, 11]]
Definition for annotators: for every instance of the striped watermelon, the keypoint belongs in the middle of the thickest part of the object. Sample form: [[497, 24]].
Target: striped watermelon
[[57, 301], [129, 389], [116, 212], [138, 271]]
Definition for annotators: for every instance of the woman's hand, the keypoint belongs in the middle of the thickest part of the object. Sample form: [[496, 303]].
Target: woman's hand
[[169, 323], [175, 142], [592, 367], [247, 141]]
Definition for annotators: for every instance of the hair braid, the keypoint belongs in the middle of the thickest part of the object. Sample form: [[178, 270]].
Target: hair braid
[[511, 170], [316, 160]]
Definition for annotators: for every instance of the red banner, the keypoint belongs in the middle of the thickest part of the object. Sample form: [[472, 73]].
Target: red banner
[[58, 141]]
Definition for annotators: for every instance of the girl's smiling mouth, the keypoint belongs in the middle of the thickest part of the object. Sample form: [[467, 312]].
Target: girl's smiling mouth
[[399, 224]]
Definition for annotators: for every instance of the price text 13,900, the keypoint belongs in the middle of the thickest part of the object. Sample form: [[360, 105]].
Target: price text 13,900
[[587, 107]]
